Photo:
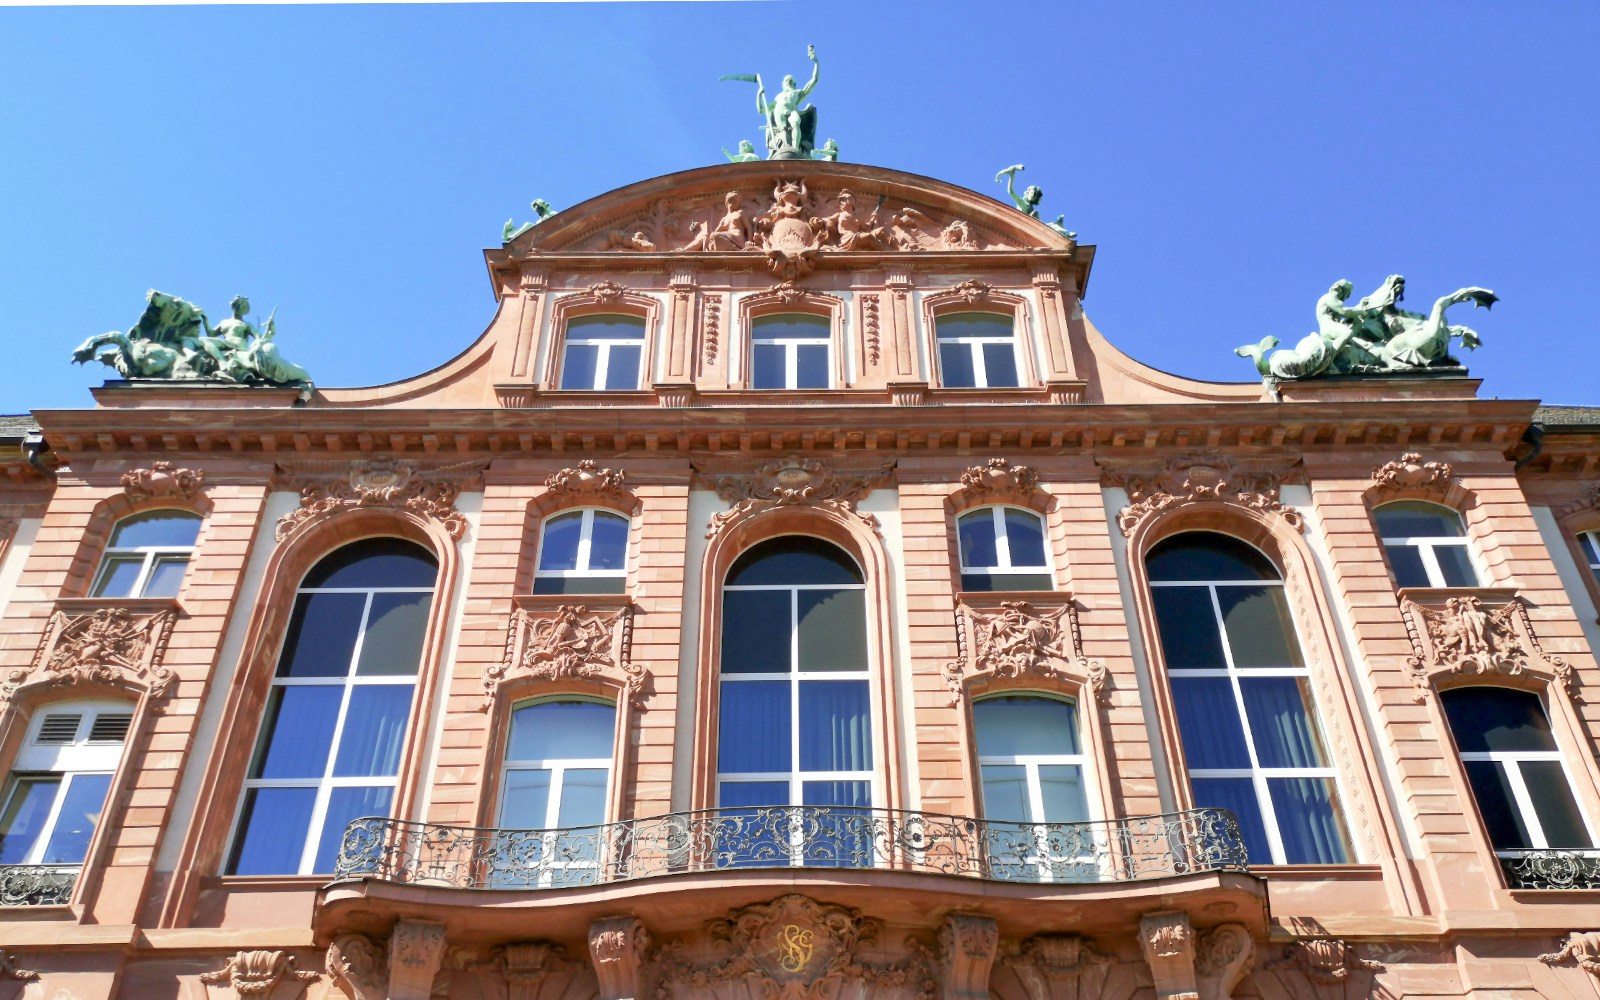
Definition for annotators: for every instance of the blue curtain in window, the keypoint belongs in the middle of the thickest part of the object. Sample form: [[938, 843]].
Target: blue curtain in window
[[1307, 821]]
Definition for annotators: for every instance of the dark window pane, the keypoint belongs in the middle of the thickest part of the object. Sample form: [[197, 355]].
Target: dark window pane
[[955, 366], [984, 582], [976, 533], [119, 576], [558, 548], [769, 366], [1495, 718], [392, 645], [1591, 548], [835, 726], [25, 816], [1281, 720], [608, 541], [374, 731], [793, 325], [578, 368], [1501, 817], [972, 324], [579, 585], [345, 805], [375, 562], [811, 367], [1409, 569], [1415, 519], [1000, 366], [156, 528], [1188, 626], [1238, 796], [756, 625], [273, 827], [525, 803], [1061, 787], [1012, 726], [1005, 793], [1456, 565], [753, 734], [605, 328], [833, 629], [166, 577], [1308, 821], [1257, 621], [1208, 721], [848, 794], [793, 560], [570, 730], [322, 635], [753, 793], [1198, 555], [297, 731], [1553, 803], [1025, 536], [80, 811], [622, 368]]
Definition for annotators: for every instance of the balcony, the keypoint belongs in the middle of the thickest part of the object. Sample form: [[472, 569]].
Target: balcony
[[37, 885], [792, 837], [1552, 869]]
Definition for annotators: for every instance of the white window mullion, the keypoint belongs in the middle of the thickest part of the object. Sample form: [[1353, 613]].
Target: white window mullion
[[1002, 543], [1430, 562], [1512, 767], [552, 806], [601, 364], [1269, 815], [980, 370]]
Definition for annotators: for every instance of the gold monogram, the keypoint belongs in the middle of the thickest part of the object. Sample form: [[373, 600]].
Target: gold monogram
[[796, 948]]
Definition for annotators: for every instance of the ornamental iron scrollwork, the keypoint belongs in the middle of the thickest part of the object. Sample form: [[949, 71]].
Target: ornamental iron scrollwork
[[1016, 640], [569, 642], [1201, 479], [796, 482], [393, 484], [37, 885], [1456, 633], [119, 644], [1552, 869]]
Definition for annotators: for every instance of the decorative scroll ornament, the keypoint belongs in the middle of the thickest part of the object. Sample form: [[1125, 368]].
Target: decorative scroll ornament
[[397, 485], [1223, 956], [106, 646], [1411, 475], [1461, 637], [569, 642], [270, 975], [1322, 961], [607, 292], [588, 482], [996, 480], [1020, 641], [796, 481], [1582, 948], [973, 291], [1200, 480], [1059, 967], [162, 480], [358, 966]]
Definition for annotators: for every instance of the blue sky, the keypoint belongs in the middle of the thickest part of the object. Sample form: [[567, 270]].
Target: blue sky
[[347, 164]]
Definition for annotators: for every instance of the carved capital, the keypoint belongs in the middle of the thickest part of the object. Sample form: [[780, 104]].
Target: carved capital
[[588, 484], [392, 484], [1321, 961], [1581, 948], [269, 975], [1476, 632], [617, 946], [358, 967], [967, 946], [163, 480], [118, 644], [1200, 479], [792, 482], [1411, 476], [1222, 958], [415, 950], [1051, 966], [1016, 640], [569, 642], [1168, 943], [995, 481]]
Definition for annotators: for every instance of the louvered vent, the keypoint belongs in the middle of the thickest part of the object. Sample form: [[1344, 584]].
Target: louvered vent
[[58, 728], [110, 727]]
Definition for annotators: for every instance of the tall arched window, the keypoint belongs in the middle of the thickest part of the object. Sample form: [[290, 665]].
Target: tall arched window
[[1002, 548], [1426, 545], [1243, 697], [582, 552], [148, 555], [795, 724], [557, 776], [335, 721]]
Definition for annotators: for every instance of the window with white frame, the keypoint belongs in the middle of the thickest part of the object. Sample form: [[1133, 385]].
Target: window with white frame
[[335, 719], [795, 720], [582, 552], [557, 776], [59, 782], [602, 352], [790, 352], [1516, 771], [1002, 548], [1242, 692], [1589, 543], [977, 350], [147, 555], [1426, 545], [1032, 772]]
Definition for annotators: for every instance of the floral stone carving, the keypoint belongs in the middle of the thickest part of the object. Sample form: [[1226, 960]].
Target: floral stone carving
[[1582, 948], [393, 484], [1463, 637], [1200, 480], [270, 975], [588, 482], [358, 966], [106, 646], [1059, 967], [998, 479], [1020, 641], [162, 480], [569, 641], [1411, 474], [9, 970], [794, 481], [526, 970], [617, 946], [1321, 962]]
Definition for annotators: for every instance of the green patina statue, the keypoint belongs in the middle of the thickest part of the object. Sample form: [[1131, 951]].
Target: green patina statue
[[746, 153], [791, 130], [541, 208], [1028, 201], [1374, 336], [829, 152], [173, 340]]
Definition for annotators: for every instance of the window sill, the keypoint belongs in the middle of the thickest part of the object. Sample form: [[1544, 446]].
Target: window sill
[[267, 883], [1432, 596], [132, 605], [1320, 873]]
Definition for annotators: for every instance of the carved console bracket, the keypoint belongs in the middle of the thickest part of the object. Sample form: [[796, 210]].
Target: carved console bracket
[[527, 970], [794, 482], [1475, 631], [618, 945], [95, 642], [1222, 958], [590, 484], [1581, 948], [1014, 640], [270, 975], [162, 480], [998, 481], [1200, 479], [1059, 967], [397, 485], [1410, 476], [415, 950], [1167, 941], [356, 964], [967, 946], [568, 642]]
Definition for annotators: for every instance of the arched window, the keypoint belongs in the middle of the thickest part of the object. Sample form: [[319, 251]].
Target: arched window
[[336, 717], [1243, 698], [790, 351], [603, 352], [557, 777], [1518, 778], [582, 552], [795, 723], [1425, 544], [977, 350], [1002, 548], [57, 791], [1589, 542], [147, 555]]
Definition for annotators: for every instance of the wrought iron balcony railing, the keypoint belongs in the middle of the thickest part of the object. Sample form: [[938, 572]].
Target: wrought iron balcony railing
[[37, 885], [1183, 843], [1552, 869]]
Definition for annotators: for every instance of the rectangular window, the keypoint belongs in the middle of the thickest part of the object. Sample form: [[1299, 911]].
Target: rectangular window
[[603, 352], [977, 350], [790, 352]]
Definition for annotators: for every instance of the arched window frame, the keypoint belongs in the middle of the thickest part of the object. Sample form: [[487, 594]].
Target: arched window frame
[[527, 693], [585, 487], [588, 515], [987, 300], [1580, 525], [1432, 483], [791, 301], [149, 556], [603, 299], [1426, 546], [103, 520], [1006, 563]]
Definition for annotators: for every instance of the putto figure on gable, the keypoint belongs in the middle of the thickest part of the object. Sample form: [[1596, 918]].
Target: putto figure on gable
[[791, 129]]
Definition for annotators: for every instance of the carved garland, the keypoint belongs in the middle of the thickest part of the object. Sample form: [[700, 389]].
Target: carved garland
[[396, 485], [569, 642], [1581, 948], [796, 481], [162, 480], [712, 326], [260, 974], [588, 483], [997, 480], [1323, 961], [105, 646], [869, 313], [1461, 637], [1411, 475], [1020, 642], [1198, 479]]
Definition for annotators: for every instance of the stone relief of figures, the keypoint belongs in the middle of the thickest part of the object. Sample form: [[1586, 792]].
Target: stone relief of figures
[[1374, 336], [1465, 637]]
